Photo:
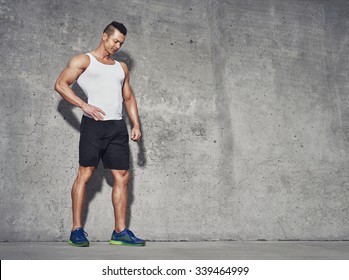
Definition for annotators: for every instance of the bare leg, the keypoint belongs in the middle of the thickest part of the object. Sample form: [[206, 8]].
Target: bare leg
[[78, 193], [119, 198]]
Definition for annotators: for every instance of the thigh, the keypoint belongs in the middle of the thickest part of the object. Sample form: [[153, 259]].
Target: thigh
[[117, 153], [90, 142]]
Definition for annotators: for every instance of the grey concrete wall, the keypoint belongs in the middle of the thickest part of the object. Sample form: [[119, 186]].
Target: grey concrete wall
[[243, 107]]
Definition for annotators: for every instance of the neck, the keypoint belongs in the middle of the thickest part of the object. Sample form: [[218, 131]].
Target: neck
[[101, 53]]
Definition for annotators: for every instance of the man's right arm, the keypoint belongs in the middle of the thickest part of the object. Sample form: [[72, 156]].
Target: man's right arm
[[75, 68]]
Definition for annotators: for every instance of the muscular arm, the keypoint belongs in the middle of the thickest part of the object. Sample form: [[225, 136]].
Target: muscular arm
[[75, 68], [131, 105]]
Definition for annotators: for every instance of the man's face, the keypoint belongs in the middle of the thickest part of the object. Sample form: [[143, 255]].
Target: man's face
[[113, 42]]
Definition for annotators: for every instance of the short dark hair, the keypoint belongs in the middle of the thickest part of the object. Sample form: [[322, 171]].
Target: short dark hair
[[109, 29]]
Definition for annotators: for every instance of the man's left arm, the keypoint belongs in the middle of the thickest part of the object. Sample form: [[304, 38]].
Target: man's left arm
[[131, 105]]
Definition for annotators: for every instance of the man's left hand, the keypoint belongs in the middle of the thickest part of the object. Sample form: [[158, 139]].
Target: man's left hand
[[136, 134]]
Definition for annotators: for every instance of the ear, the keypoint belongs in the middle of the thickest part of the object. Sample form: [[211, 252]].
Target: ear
[[104, 36]]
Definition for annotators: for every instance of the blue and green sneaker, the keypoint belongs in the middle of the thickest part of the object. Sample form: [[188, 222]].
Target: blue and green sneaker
[[127, 238], [78, 238]]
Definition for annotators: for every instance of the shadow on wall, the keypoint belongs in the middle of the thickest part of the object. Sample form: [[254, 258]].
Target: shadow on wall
[[95, 183]]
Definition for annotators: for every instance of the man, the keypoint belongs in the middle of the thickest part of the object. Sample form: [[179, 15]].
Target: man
[[103, 132]]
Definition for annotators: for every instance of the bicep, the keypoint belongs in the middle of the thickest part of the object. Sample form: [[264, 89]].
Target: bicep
[[68, 76], [126, 88]]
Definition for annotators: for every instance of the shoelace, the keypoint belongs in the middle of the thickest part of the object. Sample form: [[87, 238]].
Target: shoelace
[[130, 233], [82, 233]]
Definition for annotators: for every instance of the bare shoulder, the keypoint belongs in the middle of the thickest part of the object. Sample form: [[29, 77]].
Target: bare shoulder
[[80, 61]]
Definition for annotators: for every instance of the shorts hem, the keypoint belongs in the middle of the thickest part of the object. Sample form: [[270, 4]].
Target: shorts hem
[[117, 168], [88, 165]]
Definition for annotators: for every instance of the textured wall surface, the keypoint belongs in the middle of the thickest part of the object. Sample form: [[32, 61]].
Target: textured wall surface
[[243, 107]]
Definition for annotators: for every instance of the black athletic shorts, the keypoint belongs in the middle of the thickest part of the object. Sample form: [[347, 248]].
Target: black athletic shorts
[[106, 140]]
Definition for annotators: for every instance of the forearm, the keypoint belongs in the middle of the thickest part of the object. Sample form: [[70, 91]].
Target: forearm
[[68, 94], [132, 110]]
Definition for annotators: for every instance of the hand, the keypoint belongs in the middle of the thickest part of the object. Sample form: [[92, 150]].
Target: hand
[[93, 111], [136, 134]]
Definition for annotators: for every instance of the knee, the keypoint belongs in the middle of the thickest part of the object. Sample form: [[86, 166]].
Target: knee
[[84, 174], [121, 178]]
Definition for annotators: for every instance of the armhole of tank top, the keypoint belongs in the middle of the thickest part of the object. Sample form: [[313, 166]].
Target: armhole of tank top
[[82, 74], [89, 56], [122, 69]]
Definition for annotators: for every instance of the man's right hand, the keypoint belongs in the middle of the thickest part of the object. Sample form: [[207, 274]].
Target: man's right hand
[[96, 113]]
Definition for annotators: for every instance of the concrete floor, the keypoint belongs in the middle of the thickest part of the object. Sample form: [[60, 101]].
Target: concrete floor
[[244, 250]]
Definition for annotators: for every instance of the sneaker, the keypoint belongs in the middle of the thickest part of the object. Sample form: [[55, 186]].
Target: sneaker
[[78, 238], [127, 238]]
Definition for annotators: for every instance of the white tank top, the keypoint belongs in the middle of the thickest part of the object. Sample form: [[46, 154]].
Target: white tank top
[[102, 84]]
